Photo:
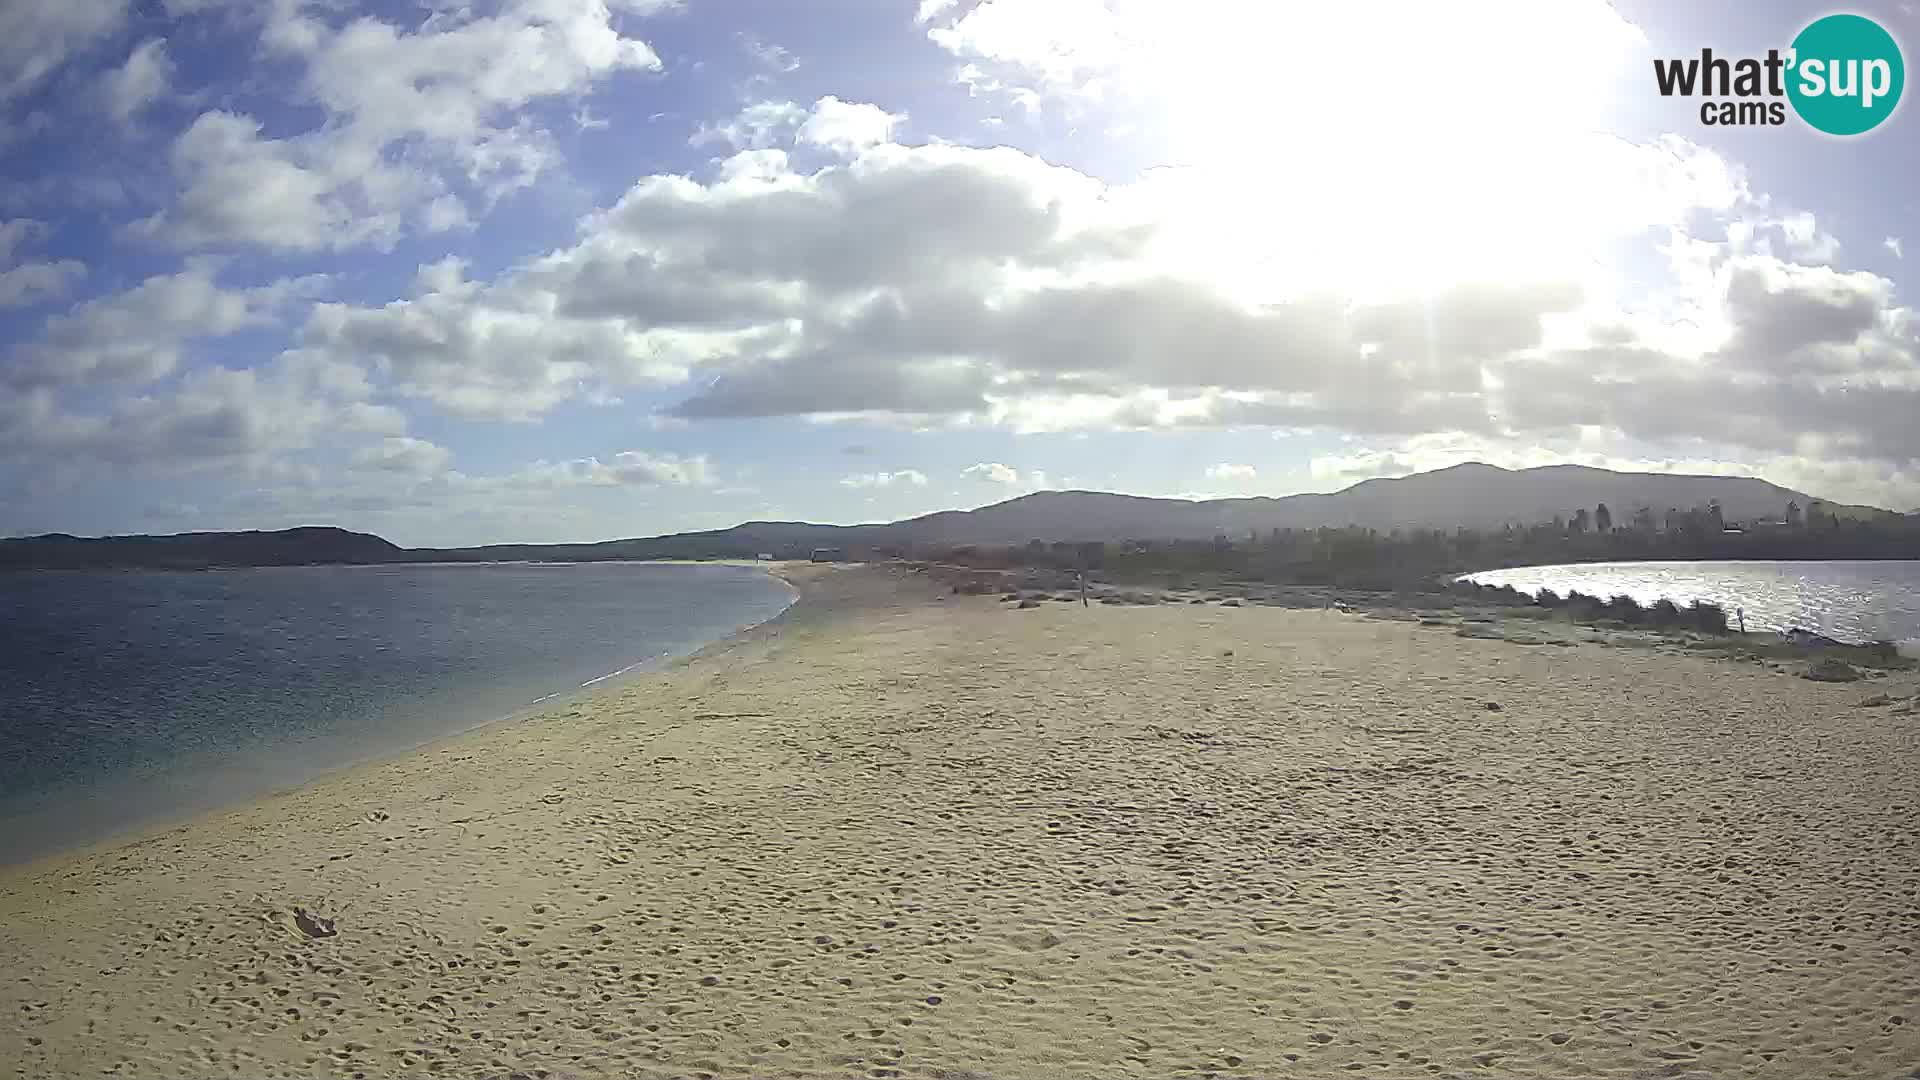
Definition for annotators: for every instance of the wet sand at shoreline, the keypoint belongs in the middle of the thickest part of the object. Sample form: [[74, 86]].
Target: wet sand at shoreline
[[885, 835]]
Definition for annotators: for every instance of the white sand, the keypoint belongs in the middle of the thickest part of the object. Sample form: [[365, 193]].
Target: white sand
[[892, 837]]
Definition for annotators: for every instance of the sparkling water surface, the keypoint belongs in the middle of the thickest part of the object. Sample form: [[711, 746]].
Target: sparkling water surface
[[1849, 600]]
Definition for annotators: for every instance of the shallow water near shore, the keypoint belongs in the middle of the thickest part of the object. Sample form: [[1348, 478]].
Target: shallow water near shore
[[1849, 600], [129, 699]]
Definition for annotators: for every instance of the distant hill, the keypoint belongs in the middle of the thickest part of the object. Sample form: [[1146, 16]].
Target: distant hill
[[195, 551], [1472, 495]]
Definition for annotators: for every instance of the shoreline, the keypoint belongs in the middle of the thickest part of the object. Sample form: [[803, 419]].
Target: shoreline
[[900, 832], [1766, 618], [165, 823]]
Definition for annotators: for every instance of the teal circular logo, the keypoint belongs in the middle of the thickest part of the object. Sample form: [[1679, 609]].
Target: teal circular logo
[[1846, 74]]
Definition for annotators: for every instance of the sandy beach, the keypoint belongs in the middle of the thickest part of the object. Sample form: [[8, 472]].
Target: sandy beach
[[898, 833]]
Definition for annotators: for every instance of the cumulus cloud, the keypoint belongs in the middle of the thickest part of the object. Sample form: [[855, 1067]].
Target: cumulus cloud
[[848, 127], [942, 284], [901, 477], [139, 82], [208, 416], [629, 468], [843, 127], [31, 281], [822, 268], [931, 9], [239, 187], [450, 92], [136, 336], [37, 37], [1805, 240], [1344, 469], [1063, 45], [1801, 317], [756, 127], [505, 352], [37, 281]]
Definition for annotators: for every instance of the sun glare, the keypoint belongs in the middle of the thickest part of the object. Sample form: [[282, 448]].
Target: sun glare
[[1389, 147]]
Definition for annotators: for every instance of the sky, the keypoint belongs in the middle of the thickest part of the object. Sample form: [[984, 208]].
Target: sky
[[567, 270]]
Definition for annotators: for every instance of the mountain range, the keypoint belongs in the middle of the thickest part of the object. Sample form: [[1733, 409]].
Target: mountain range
[[1472, 495]]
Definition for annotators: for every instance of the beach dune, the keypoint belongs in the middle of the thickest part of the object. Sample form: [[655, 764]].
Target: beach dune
[[889, 836]]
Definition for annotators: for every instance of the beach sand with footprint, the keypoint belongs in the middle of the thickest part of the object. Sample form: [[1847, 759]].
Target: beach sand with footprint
[[889, 836]]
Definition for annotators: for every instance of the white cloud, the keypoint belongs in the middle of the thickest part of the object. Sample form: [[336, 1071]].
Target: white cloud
[[903, 477], [629, 468], [1807, 242], [503, 352], [1892, 243], [142, 80], [34, 282], [942, 284], [403, 454], [1235, 473], [933, 285], [239, 187], [931, 9], [136, 336], [24, 282], [209, 416], [756, 127], [992, 472], [844, 127], [450, 93], [1064, 44], [37, 37], [1341, 470], [848, 127], [444, 213]]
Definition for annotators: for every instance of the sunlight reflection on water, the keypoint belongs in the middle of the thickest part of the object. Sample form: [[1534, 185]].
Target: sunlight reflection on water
[[1853, 601]]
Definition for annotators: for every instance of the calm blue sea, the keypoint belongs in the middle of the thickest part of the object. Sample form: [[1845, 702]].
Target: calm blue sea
[[133, 698], [1849, 600]]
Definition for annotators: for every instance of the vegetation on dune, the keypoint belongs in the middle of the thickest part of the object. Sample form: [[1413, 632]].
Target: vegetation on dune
[[1359, 558], [1626, 609]]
